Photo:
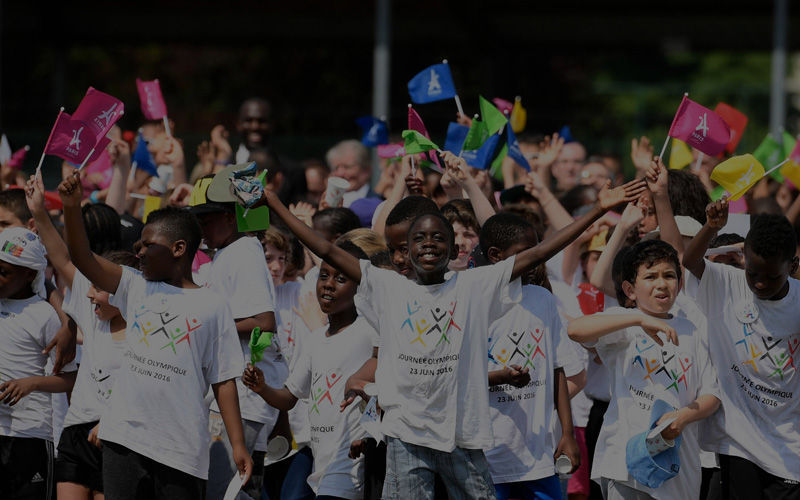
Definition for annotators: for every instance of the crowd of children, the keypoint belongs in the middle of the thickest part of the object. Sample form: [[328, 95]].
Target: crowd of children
[[574, 336]]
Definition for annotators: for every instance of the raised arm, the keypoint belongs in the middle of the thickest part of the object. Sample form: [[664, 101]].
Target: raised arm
[[601, 276], [594, 326], [56, 248], [121, 156], [555, 212], [658, 183], [102, 272], [716, 218], [606, 199], [323, 248], [398, 192], [459, 171]]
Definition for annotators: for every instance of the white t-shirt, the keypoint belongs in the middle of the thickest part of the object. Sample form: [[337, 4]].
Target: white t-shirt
[[432, 371], [641, 372], [239, 273], [26, 327], [179, 341], [320, 374], [101, 357], [291, 332], [753, 345], [531, 335]]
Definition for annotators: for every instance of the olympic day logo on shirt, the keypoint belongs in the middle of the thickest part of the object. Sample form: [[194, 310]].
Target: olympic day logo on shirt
[[161, 328], [759, 354], [662, 365], [521, 348], [321, 385], [429, 327]]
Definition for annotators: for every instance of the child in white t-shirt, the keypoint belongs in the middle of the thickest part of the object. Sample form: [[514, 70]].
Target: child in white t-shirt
[[528, 348], [432, 370], [329, 356], [644, 368], [180, 338], [27, 324], [754, 333]]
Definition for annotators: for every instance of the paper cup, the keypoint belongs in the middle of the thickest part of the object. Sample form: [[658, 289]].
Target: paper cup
[[335, 192], [371, 389], [563, 465], [277, 448]]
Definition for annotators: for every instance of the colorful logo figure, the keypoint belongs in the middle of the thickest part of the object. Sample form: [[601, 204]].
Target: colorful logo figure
[[662, 366], [765, 355], [519, 348], [321, 385], [165, 329], [12, 249], [429, 326]]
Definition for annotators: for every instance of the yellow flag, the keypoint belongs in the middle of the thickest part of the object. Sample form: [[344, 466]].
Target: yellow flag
[[791, 172], [150, 203], [519, 116], [198, 196], [679, 155], [738, 174]]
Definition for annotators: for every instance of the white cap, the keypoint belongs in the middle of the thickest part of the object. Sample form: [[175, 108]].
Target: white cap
[[687, 226]]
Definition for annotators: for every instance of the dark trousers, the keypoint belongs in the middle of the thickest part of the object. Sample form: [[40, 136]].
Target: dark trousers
[[744, 480]]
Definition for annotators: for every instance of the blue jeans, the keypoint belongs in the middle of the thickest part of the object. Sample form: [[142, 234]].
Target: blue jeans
[[547, 488], [410, 471], [295, 486]]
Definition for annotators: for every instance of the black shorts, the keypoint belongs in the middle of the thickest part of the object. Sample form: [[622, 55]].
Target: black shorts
[[744, 480], [79, 461], [26, 468]]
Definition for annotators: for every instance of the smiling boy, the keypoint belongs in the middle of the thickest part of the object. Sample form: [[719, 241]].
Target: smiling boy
[[754, 333]]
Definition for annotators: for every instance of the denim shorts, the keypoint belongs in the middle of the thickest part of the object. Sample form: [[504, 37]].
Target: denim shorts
[[410, 472]]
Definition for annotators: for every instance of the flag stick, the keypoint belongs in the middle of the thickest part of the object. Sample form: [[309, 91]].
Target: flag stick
[[245, 212], [666, 141], [458, 105], [138, 196], [699, 161], [413, 167], [166, 126], [39, 167], [86, 160], [776, 167]]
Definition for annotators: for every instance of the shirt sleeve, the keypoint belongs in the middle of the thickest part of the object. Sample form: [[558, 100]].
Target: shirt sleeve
[[130, 279], [563, 347], [224, 360], [252, 291], [494, 284], [369, 292], [709, 383], [614, 341], [719, 285], [299, 381]]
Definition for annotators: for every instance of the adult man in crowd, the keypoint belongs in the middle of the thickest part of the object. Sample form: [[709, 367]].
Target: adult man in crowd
[[349, 160], [255, 125]]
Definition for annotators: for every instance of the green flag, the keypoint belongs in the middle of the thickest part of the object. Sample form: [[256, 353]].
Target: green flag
[[492, 117], [788, 145], [417, 143], [258, 343], [496, 170], [717, 193], [477, 135], [770, 153]]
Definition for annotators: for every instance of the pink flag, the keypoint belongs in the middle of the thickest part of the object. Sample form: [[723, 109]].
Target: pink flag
[[18, 158], [700, 128], [153, 105], [99, 148], [504, 106], [99, 111], [70, 139], [391, 150], [98, 171], [415, 123]]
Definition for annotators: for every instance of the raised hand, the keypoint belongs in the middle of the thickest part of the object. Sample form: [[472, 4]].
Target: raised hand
[[181, 195], [120, 152], [657, 178], [303, 211], [631, 216], [549, 149], [456, 166], [34, 194], [70, 190], [717, 213], [219, 141], [609, 198], [652, 325], [174, 152], [641, 153]]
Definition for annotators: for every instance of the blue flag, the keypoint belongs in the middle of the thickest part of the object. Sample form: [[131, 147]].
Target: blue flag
[[142, 159], [515, 152], [455, 137], [566, 134], [480, 158], [376, 131], [434, 83]]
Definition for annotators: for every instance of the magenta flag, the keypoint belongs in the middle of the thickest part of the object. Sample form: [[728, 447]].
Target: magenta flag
[[153, 105], [18, 158], [99, 111], [700, 128], [70, 139], [391, 150], [504, 106], [99, 148], [415, 123]]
